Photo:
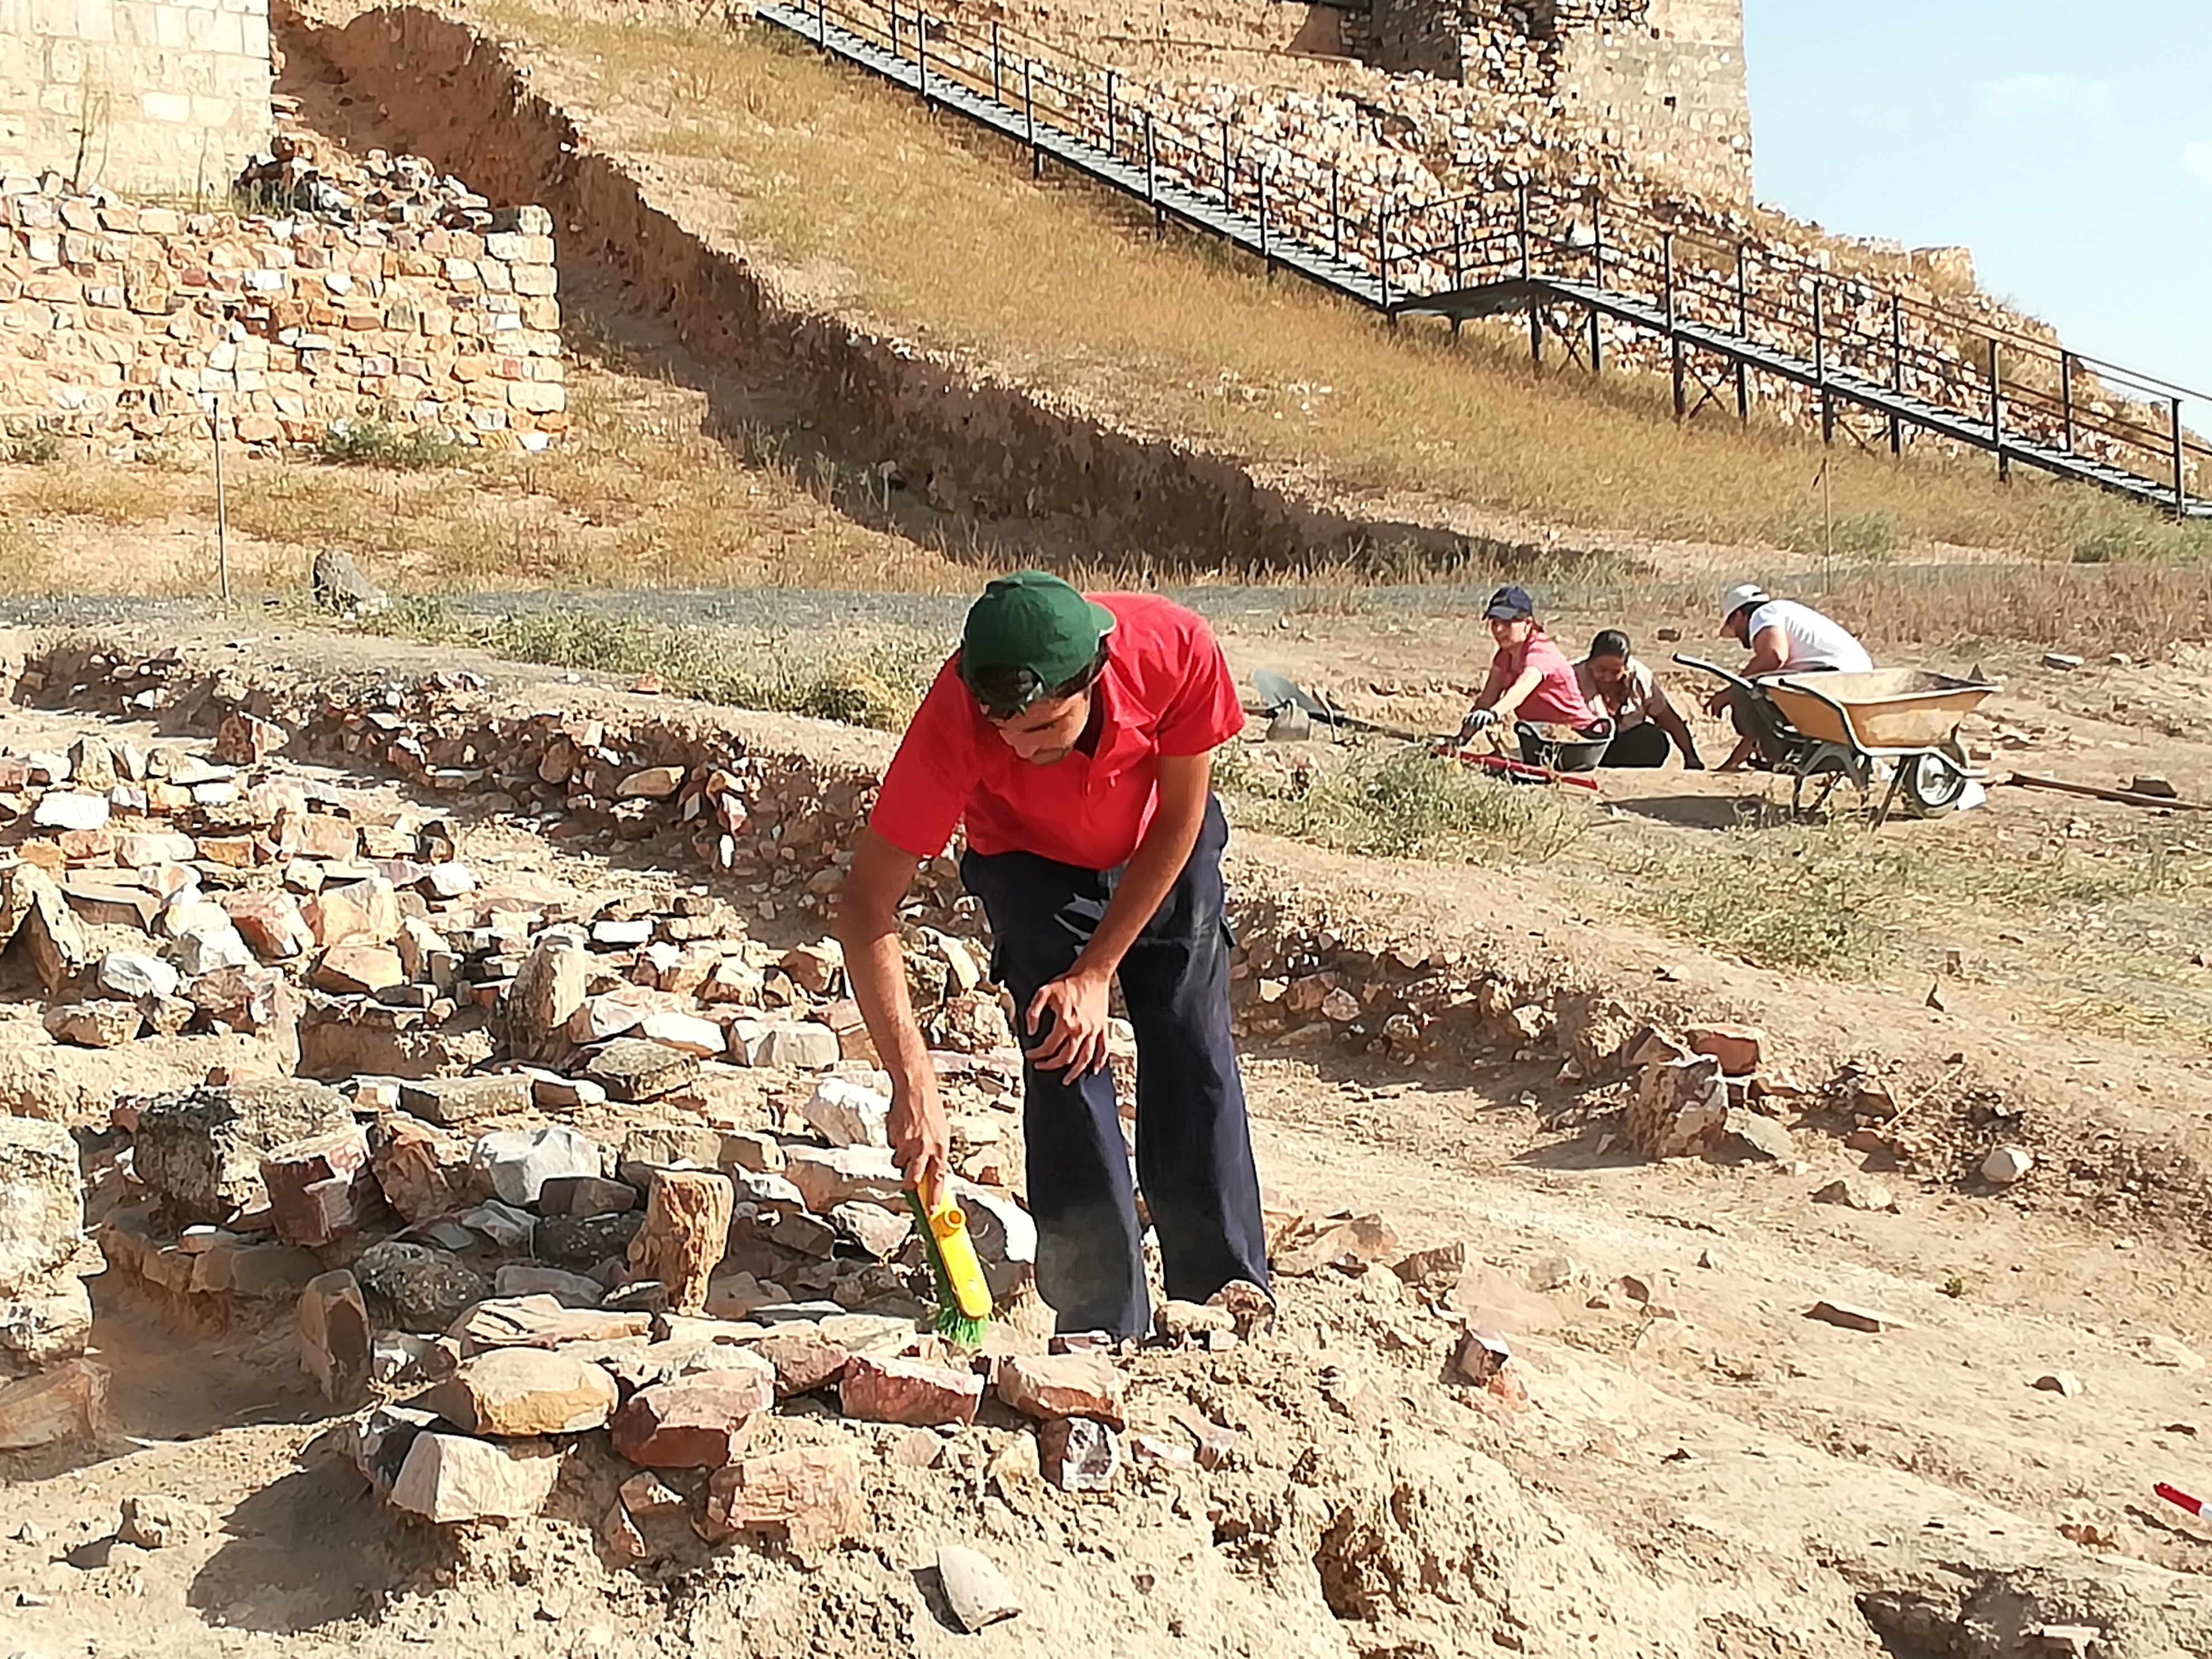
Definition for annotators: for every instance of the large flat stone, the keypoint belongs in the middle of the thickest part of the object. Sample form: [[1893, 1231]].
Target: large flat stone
[[696, 1422], [451, 1478], [518, 1392]]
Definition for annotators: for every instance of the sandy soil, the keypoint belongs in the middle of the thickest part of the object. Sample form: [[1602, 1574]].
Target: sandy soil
[[1702, 1468]]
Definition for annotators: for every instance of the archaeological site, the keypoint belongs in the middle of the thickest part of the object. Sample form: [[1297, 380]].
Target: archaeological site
[[490, 486]]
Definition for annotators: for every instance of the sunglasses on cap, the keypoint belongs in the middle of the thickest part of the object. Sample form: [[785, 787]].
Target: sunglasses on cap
[[1003, 693]]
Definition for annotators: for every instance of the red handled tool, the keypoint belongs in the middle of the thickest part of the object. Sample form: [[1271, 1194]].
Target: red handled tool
[[2181, 1499]]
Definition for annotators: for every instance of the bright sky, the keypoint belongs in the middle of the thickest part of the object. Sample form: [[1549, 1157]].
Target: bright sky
[[2067, 142]]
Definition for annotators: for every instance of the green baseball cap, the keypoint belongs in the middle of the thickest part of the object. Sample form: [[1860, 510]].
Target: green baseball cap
[[1029, 635]]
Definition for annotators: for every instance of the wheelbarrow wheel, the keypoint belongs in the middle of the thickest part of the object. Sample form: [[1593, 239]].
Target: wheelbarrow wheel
[[1933, 783]]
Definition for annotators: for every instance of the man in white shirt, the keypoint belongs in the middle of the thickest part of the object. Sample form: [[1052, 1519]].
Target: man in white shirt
[[1784, 637], [1646, 726]]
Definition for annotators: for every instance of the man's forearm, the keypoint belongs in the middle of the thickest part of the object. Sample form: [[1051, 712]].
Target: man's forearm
[[1151, 873]]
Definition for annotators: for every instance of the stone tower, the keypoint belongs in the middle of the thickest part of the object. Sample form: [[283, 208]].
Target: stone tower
[[1661, 81], [143, 97]]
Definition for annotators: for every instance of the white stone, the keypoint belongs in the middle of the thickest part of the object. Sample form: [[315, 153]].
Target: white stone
[[849, 1114], [2006, 1165], [130, 974], [64, 809], [451, 1477], [686, 1033], [516, 1163]]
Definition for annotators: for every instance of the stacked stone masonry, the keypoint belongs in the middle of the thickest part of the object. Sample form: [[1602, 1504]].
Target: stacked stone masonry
[[156, 97], [1658, 85], [1661, 81], [129, 321]]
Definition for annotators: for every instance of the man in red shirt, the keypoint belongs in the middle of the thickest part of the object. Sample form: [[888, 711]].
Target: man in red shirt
[[1075, 737]]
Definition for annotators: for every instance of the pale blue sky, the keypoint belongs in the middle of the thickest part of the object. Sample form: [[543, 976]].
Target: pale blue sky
[[2068, 144]]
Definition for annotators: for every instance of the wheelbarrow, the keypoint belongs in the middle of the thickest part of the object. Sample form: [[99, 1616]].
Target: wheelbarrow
[[1820, 730]]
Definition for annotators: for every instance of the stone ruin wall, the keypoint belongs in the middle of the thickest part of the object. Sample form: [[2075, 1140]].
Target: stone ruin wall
[[155, 97], [1659, 84], [121, 322]]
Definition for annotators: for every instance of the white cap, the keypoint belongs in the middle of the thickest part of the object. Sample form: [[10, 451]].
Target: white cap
[[1740, 596]]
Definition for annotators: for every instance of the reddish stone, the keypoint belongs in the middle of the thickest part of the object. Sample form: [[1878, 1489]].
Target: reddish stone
[[270, 922], [1736, 1047], [697, 1422], [1077, 1454], [319, 1189], [420, 1172], [803, 1361], [321, 836], [812, 1494], [350, 969], [910, 1391], [1062, 1385], [334, 918]]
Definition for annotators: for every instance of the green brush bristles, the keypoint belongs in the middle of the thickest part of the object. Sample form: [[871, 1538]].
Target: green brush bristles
[[954, 1326]]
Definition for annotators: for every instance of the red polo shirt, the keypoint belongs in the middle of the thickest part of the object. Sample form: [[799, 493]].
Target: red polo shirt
[[1166, 691]]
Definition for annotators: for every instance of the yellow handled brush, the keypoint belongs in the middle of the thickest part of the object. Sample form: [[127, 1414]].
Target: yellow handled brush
[[963, 1299]]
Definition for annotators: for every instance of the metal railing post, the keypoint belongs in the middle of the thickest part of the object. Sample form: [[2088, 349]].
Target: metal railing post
[[2066, 401], [1228, 197], [1028, 117], [1112, 134], [822, 24], [1152, 179], [1458, 257], [1674, 335], [922, 54], [1536, 311], [1597, 280], [1997, 413], [1821, 366], [2180, 462], [998, 94], [1335, 215], [1382, 257], [1743, 333], [1260, 170], [1896, 368]]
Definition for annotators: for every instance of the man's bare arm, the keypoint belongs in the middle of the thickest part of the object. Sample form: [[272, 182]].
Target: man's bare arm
[[1077, 1001], [867, 927]]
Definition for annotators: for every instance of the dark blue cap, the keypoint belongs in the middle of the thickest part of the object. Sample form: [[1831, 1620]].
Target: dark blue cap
[[1507, 603]]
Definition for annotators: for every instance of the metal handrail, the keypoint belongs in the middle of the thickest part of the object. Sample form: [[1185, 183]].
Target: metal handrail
[[1852, 327]]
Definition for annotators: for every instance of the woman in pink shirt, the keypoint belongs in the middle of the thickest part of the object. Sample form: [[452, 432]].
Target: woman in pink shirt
[[1532, 684]]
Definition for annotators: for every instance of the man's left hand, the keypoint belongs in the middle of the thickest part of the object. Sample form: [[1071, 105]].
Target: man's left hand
[[1075, 1004]]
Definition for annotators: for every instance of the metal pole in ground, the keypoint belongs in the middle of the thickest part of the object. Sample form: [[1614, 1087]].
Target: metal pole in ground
[[1996, 415], [1597, 280], [222, 505], [997, 95]]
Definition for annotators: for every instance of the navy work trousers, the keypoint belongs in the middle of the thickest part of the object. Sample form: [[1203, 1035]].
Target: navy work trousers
[[1194, 1145]]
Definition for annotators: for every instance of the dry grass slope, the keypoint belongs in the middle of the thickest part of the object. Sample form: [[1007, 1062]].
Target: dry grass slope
[[868, 201]]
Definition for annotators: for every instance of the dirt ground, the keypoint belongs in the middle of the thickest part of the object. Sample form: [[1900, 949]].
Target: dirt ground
[[1700, 1468]]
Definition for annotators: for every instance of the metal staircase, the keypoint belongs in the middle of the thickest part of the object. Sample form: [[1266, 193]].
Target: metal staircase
[[1588, 272]]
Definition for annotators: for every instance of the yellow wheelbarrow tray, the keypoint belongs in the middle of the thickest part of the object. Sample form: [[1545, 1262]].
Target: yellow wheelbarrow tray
[[1908, 717]]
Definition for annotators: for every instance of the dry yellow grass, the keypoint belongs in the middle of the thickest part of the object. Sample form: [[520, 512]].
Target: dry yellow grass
[[918, 221], [639, 496]]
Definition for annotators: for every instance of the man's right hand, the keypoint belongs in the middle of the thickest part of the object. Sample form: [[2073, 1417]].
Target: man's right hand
[[920, 1140]]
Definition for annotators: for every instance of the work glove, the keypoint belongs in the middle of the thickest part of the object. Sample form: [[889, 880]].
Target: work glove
[[1480, 719]]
